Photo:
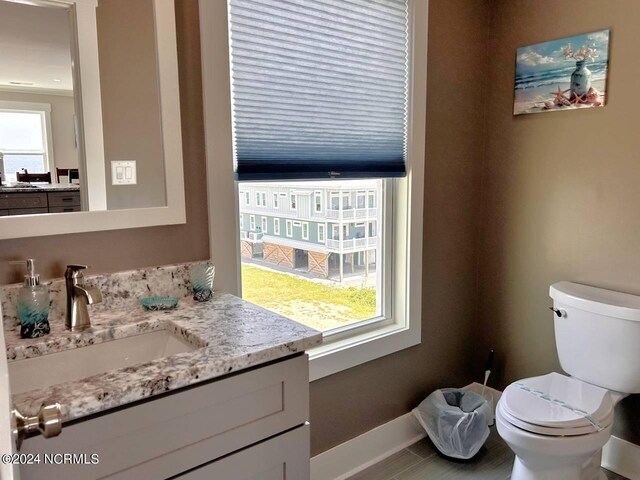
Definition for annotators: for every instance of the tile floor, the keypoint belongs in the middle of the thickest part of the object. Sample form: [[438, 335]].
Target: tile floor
[[422, 461]]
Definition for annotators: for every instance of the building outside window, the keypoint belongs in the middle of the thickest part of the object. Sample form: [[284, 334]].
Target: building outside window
[[264, 224], [276, 226], [293, 199], [252, 222], [289, 228], [276, 203]]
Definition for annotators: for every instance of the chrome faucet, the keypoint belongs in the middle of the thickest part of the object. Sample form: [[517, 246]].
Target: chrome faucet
[[78, 297]]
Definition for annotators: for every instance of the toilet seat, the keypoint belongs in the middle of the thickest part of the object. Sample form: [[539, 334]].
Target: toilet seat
[[557, 405]]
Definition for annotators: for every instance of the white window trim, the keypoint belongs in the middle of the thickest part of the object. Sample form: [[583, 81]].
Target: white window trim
[[305, 237], [44, 110], [276, 201], [322, 228], [252, 223], [336, 354], [264, 223], [293, 205], [289, 229], [317, 194], [276, 226]]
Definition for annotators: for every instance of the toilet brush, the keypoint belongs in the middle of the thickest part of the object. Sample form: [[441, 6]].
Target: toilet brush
[[487, 370]]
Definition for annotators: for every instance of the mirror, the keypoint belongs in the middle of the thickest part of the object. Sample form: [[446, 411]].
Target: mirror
[[89, 116]]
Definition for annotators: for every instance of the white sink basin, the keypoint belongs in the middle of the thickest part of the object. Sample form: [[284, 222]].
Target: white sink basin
[[78, 363]]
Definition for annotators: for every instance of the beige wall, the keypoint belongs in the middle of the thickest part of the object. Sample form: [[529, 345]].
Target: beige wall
[[65, 153], [352, 402], [130, 103], [560, 190]]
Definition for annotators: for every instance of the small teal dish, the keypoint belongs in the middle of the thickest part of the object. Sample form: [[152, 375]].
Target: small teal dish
[[159, 303]]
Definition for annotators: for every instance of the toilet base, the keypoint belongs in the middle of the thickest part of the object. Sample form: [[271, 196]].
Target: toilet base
[[589, 470]]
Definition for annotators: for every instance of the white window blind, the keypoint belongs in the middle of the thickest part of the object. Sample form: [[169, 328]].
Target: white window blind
[[319, 88]]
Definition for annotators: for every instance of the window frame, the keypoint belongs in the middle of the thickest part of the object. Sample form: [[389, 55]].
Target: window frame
[[317, 206], [293, 202], [264, 224], [276, 226], [302, 227], [322, 238], [289, 228], [276, 201], [404, 201], [44, 112], [252, 223]]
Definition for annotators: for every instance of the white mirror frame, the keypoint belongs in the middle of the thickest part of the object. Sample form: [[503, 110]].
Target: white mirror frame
[[86, 75]]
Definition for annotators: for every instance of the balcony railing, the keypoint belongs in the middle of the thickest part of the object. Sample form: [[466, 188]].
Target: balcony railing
[[352, 213], [352, 243]]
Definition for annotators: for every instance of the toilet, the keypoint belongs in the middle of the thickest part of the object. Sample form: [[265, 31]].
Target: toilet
[[557, 424]]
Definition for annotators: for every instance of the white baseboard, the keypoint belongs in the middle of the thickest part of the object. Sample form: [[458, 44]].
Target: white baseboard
[[371, 447], [622, 457]]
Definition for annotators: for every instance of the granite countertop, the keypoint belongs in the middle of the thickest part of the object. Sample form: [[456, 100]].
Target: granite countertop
[[45, 187], [229, 334]]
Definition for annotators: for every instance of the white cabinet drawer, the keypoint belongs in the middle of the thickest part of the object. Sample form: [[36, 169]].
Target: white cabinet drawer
[[180, 431], [285, 457]]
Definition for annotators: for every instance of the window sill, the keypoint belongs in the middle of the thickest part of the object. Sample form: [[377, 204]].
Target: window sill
[[336, 356]]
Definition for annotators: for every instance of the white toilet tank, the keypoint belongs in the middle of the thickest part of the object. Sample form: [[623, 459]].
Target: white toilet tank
[[598, 335]]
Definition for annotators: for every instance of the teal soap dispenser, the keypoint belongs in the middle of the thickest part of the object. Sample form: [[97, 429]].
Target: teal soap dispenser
[[33, 304]]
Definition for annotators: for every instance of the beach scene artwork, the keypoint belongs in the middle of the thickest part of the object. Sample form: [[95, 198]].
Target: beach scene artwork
[[563, 74]]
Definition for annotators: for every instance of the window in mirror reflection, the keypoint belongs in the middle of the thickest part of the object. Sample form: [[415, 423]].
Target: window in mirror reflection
[[23, 142]]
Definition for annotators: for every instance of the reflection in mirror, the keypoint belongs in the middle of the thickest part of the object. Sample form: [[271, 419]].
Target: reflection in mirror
[[95, 146]]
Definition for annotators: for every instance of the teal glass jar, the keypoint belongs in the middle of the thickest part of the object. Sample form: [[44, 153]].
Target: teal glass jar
[[580, 79], [33, 311], [202, 276]]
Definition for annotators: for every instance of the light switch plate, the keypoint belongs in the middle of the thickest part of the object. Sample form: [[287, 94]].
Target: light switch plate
[[123, 172]]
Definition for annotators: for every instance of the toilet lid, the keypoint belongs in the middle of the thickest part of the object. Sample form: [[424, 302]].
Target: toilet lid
[[558, 402]]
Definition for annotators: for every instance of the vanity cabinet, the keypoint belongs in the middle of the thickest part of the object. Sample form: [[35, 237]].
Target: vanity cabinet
[[40, 201], [251, 425]]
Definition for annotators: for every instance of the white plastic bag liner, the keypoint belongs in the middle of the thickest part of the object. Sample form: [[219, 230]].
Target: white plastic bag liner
[[457, 421]]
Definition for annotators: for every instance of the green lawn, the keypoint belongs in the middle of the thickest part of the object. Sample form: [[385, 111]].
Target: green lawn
[[315, 304]]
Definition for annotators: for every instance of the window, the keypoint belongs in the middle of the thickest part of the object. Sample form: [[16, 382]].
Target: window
[[317, 199], [346, 201], [247, 198], [252, 222], [395, 253], [25, 132], [361, 200], [335, 201], [320, 233], [241, 225], [305, 231], [297, 224], [372, 199], [261, 199], [264, 224], [276, 203], [276, 226]]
